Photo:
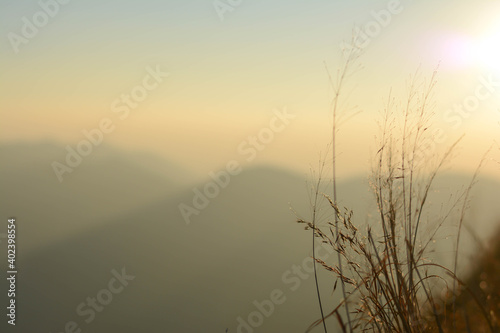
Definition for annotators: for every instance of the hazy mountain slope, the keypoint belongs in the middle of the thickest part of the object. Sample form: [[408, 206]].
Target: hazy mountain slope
[[189, 278], [192, 278], [107, 183]]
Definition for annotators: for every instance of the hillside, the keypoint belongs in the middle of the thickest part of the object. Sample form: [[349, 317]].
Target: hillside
[[198, 277], [108, 183]]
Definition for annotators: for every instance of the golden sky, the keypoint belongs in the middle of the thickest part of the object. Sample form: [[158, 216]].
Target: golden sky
[[230, 68]]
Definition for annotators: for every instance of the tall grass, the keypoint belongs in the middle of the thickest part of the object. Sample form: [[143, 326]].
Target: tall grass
[[387, 283]]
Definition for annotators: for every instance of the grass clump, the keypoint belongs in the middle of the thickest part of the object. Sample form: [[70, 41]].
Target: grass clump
[[386, 280]]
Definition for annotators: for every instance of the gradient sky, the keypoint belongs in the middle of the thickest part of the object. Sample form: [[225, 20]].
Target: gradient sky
[[227, 76]]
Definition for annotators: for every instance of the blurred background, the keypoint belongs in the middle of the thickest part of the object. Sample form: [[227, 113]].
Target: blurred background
[[171, 139]]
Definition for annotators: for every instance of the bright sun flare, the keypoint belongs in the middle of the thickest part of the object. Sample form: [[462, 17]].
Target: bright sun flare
[[483, 51], [488, 50]]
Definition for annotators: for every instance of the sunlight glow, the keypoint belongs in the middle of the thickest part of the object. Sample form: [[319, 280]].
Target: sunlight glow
[[458, 51], [488, 50]]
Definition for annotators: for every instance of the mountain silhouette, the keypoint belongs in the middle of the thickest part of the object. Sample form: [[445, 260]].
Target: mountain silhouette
[[205, 276], [108, 183]]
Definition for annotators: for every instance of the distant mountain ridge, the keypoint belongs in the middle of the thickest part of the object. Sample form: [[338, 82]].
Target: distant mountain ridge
[[108, 183], [240, 248]]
